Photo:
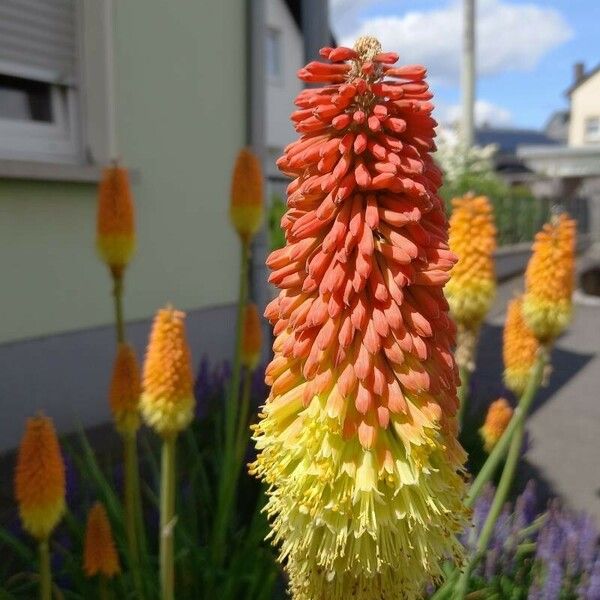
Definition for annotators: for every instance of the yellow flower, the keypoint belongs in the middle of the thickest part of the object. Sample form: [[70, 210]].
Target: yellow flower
[[251, 338], [115, 237], [549, 279], [520, 348], [246, 208], [125, 390], [99, 554], [472, 284], [167, 402], [496, 421], [357, 440], [40, 478]]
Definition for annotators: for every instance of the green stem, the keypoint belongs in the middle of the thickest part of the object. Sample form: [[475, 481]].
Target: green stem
[[515, 438], [242, 429], [132, 508], [500, 449], [118, 300], [463, 393], [45, 571], [228, 469], [167, 518], [103, 591]]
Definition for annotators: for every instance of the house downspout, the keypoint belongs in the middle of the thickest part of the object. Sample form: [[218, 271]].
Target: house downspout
[[256, 138], [315, 27]]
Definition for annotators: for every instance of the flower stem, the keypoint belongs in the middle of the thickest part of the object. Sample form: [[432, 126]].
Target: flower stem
[[103, 591], [463, 393], [229, 471], [117, 277], [516, 442], [132, 507], [496, 455], [167, 518], [45, 571]]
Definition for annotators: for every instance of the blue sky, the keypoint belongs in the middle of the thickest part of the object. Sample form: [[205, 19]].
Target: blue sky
[[526, 52]]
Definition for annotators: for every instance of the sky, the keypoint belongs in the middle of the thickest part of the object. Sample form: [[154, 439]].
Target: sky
[[526, 50]]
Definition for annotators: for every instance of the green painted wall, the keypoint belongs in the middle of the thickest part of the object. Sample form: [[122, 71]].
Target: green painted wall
[[180, 89]]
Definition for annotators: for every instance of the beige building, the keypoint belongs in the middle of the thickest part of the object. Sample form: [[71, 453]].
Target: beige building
[[584, 95]]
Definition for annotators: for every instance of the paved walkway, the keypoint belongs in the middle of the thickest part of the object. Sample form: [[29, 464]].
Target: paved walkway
[[564, 427]]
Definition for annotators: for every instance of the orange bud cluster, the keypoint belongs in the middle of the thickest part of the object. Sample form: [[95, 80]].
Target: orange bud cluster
[[99, 553], [115, 226], [519, 350], [125, 390], [472, 284], [251, 338], [246, 208], [496, 421], [550, 278], [40, 478], [167, 402]]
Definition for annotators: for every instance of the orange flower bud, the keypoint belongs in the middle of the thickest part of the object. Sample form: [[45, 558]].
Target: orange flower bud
[[549, 279], [520, 348], [40, 478], [496, 421], [167, 402], [115, 236], [99, 553], [246, 209], [252, 337], [125, 390]]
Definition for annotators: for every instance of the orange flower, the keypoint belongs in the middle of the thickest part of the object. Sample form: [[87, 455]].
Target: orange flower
[[246, 209], [549, 279], [252, 337], [115, 237], [496, 421], [125, 390], [167, 402], [99, 553], [472, 284], [357, 440], [520, 348], [40, 478]]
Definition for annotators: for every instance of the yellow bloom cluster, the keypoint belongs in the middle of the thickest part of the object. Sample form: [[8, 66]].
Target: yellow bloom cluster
[[472, 284], [549, 279], [167, 402]]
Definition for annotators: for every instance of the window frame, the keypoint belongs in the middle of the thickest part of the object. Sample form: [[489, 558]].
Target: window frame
[[595, 136], [276, 34]]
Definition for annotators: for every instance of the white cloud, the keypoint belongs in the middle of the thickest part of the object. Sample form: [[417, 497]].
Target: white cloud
[[486, 113], [509, 36]]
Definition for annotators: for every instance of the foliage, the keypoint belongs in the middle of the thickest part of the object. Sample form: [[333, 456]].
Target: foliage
[[276, 211], [249, 571]]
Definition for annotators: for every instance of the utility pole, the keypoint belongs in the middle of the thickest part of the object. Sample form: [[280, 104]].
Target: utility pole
[[467, 126]]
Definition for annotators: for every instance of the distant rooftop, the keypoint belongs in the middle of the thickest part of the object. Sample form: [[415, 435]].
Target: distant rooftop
[[507, 139]]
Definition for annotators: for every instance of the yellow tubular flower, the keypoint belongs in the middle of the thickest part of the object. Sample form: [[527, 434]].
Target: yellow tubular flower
[[125, 390], [167, 402], [40, 478], [251, 338], [246, 208], [357, 441], [472, 284], [549, 279], [519, 350], [115, 226], [496, 421], [99, 553]]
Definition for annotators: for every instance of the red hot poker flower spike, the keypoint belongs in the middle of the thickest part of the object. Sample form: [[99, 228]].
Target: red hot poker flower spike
[[358, 440]]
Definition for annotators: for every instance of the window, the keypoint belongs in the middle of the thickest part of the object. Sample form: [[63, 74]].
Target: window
[[273, 58], [39, 81], [592, 129]]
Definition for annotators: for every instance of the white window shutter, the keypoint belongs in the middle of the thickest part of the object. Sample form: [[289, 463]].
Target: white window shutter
[[38, 40]]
